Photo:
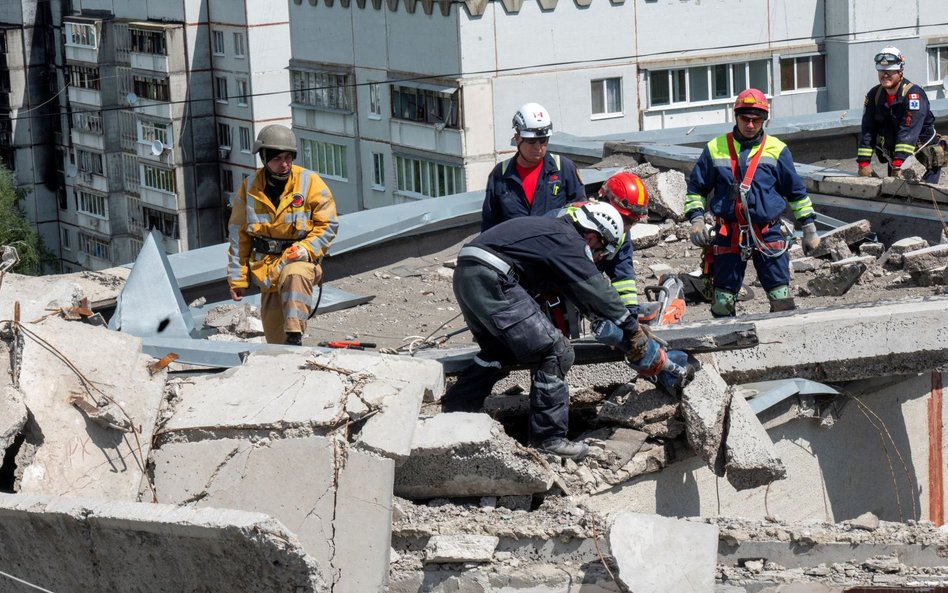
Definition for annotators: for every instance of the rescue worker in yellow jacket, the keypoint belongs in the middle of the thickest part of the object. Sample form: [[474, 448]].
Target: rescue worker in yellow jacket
[[282, 222]]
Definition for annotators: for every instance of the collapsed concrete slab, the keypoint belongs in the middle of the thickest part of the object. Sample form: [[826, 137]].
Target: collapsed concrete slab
[[894, 253], [666, 192], [340, 506], [844, 343], [641, 546], [461, 548], [645, 235], [13, 416], [750, 459], [465, 454], [38, 294], [704, 406], [842, 276], [849, 234], [643, 407], [88, 546], [70, 453], [924, 259]]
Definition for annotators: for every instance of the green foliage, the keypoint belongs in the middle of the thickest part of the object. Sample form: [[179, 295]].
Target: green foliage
[[16, 230]]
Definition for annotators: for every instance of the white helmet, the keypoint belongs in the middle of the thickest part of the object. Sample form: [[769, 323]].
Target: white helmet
[[601, 218], [532, 121], [889, 58]]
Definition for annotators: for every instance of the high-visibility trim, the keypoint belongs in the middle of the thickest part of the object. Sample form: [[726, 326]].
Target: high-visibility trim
[[865, 151], [802, 208], [293, 296], [693, 202], [904, 148]]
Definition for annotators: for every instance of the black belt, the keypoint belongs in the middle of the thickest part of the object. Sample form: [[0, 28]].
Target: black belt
[[269, 246]]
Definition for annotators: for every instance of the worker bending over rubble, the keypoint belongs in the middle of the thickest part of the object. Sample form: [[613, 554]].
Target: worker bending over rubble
[[496, 275], [750, 178], [281, 225]]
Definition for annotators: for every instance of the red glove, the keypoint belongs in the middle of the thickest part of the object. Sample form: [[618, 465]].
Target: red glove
[[296, 253]]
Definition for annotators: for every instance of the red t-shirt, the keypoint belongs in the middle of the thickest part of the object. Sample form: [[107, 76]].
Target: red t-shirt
[[529, 177]]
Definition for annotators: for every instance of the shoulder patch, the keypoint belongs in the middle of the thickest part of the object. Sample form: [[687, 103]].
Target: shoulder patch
[[914, 104]]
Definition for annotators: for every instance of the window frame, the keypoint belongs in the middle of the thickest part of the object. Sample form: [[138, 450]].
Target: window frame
[[321, 89], [605, 113], [77, 38], [795, 62], [375, 101], [679, 83], [246, 142], [158, 179], [95, 246], [378, 171], [406, 99], [217, 43], [92, 204], [224, 136], [243, 92], [239, 46], [414, 175], [147, 41], [220, 89], [316, 157], [941, 55]]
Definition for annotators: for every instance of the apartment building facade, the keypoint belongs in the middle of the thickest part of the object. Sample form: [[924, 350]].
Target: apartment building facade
[[151, 110]]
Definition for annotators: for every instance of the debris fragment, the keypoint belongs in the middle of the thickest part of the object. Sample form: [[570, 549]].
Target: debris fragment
[[105, 414], [163, 362]]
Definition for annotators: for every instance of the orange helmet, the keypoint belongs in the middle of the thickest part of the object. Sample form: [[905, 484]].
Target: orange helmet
[[752, 99], [627, 193]]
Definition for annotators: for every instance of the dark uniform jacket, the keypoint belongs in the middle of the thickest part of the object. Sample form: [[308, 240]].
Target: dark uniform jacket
[[896, 128], [558, 185], [547, 252]]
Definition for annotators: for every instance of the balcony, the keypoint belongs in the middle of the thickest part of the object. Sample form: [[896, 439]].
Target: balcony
[[151, 62], [158, 198], [79, 53], [144, 150], [427, 137], [171, 245], [92, 181], [87, 140], [99, 225], [151, 108], [85, 96]]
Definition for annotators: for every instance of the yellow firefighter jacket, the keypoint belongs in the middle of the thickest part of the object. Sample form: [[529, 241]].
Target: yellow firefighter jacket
[[306, 215]]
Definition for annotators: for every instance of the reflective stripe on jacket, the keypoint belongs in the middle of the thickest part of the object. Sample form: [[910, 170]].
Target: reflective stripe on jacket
[[504, 198], [306, 214], [896, 128], [775, 183]]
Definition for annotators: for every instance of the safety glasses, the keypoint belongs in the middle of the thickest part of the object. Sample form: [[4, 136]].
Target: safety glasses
[[536, 140], [887, 59]]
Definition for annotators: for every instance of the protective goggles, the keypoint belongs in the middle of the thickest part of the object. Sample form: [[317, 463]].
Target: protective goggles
[[887, 59], [536, 132]]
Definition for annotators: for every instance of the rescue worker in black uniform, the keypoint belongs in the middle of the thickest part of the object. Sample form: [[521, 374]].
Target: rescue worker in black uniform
[[495, 277], [897, 122]]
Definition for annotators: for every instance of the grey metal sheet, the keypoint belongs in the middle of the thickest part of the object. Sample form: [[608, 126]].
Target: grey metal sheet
[[770, 393], [209, 353]]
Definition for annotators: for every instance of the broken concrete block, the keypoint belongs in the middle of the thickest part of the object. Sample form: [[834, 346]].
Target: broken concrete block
[[750, 457], [340, 507], [666, 192], [460, 548], [704, 405], [849, 234], [838, 250], [927, 258], [13, 416], [931, 277], [659, 270], [872, 249], [86, 546], [893, 256], [866, 522], [75, 454], [639, 409], [645, 235], [641, 543], [622, 445], [866, 260], [465, 454], [837, 282], [805, 264]]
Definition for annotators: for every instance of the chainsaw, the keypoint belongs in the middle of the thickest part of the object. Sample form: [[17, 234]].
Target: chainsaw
[[666, 302]]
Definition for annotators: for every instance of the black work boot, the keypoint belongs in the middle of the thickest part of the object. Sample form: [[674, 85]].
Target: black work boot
[[564, 448], [294, 339]]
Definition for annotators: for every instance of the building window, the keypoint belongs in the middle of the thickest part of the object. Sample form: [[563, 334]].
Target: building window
[[223, 135], [937, 63], [321, 89], [94, 246], [700, 84], [221, 88], [165, 223], [242, 93], [378, 170], [238, 44], [159, 179], [148, 42], [93, 204], [87, 121], [245, 139], [227, 180], [606, 96], [325, 158], [65, 240], [375, 101], [432, 107], [89, 162], [149, 131], [146, 87], [796, 74], [427, 178], [84, 77], [81, 35], [218, 42]]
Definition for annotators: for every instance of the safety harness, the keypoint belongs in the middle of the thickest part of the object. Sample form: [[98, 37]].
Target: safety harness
[[745, 236]]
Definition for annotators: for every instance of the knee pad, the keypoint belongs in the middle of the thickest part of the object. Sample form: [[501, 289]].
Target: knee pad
[[722, 305], [780, 292], [560, 359]]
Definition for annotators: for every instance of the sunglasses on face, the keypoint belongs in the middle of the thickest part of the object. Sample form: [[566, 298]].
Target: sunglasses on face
[[536, 140], [750, 119]]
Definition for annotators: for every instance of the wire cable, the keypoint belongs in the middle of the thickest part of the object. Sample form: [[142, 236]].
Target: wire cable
[[27, 583]]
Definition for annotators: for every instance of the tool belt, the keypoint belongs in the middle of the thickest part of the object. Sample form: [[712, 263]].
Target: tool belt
[[741, 241], [483, 256], [269, 246]]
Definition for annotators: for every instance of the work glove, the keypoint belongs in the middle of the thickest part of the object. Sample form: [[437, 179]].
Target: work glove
[[610, 334], [866, 171], [700, 235], [295, 253], [810, 239]]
